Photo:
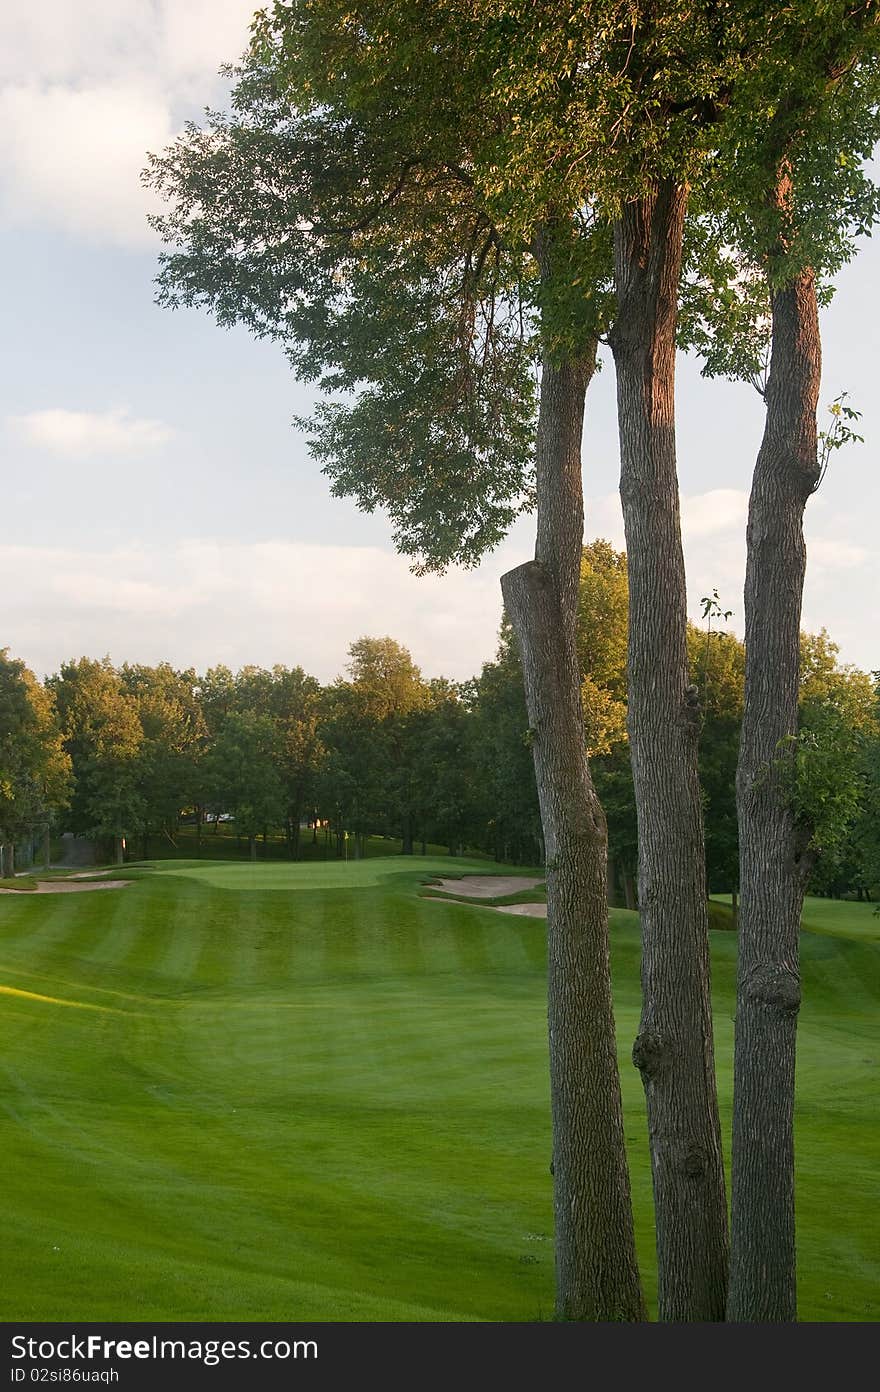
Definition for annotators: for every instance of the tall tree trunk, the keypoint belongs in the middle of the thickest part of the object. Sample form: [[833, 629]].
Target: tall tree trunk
[[674, 1048], [120, 850], [47, 847], [774, 863], [597, 1274], [7, 861]]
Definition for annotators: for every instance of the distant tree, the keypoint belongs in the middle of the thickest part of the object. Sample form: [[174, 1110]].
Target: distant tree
[[173, 743], [34, 768], [242, 773], [443, 781], [388, 691], [103, 737], [602, 623], [829, 774], [717, 663], [291, 699], [866, 833], [602, 616], [507, 818]]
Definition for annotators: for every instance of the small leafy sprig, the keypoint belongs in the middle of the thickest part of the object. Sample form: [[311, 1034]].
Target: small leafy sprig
[[839, 433]]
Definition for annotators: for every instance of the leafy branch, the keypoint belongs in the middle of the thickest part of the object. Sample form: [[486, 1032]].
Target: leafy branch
[[839, 433]]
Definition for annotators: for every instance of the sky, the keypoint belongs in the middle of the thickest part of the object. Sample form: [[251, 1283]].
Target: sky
[[157, 501]]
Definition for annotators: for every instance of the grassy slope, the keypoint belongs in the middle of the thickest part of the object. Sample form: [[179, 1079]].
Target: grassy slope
[[301, 1092]]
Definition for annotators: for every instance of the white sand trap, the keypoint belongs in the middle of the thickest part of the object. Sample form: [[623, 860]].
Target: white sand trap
[[529, 910], [65, 887], [485, 886]]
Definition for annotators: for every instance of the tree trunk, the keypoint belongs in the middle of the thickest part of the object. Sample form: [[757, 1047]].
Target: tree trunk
[[774, 865], [674, 1047], [120, 852], [47, 848], [597, 1274], [7, 861], [199, 817], [252, 843]]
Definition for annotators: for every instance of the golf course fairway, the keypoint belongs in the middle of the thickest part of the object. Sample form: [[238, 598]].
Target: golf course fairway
[[304, 1092]]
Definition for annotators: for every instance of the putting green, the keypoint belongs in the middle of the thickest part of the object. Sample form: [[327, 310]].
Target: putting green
[[304, 1092]]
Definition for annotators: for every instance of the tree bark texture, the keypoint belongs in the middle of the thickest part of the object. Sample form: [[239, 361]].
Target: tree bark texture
[[596, 1269], [674, 1047], [774, 862]]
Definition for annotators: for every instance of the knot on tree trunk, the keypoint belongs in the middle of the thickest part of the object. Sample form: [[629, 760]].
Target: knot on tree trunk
[[693, 706], [775, 985], [651, 1053], [688, 1157]]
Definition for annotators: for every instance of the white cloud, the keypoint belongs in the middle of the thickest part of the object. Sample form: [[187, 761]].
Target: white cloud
[[198, 602], [706, 514], [73, 156], [197, 36], [202, 602], [87, 89], [85, 434], [101, 39], [603, 518], [836, 555]]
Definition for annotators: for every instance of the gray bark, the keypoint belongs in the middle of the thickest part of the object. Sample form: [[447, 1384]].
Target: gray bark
[[774, 862], [674, 1047], [596, 1269]]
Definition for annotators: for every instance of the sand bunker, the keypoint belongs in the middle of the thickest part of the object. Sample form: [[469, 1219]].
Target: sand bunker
[[530, 910], [485, 886], [65, 887]]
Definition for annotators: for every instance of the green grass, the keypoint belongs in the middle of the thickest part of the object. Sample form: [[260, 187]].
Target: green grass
[[24, 883], [305, 1092]]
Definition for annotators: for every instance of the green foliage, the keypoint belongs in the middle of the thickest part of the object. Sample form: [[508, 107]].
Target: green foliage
[[507, 820], [826, 767], [174, 736], [242, 771], [383, 278], [717, 666], [603, 609], [839, 433], [34, 768], [103, 737]]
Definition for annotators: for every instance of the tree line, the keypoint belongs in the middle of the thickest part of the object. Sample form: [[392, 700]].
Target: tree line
[[131, 753]]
